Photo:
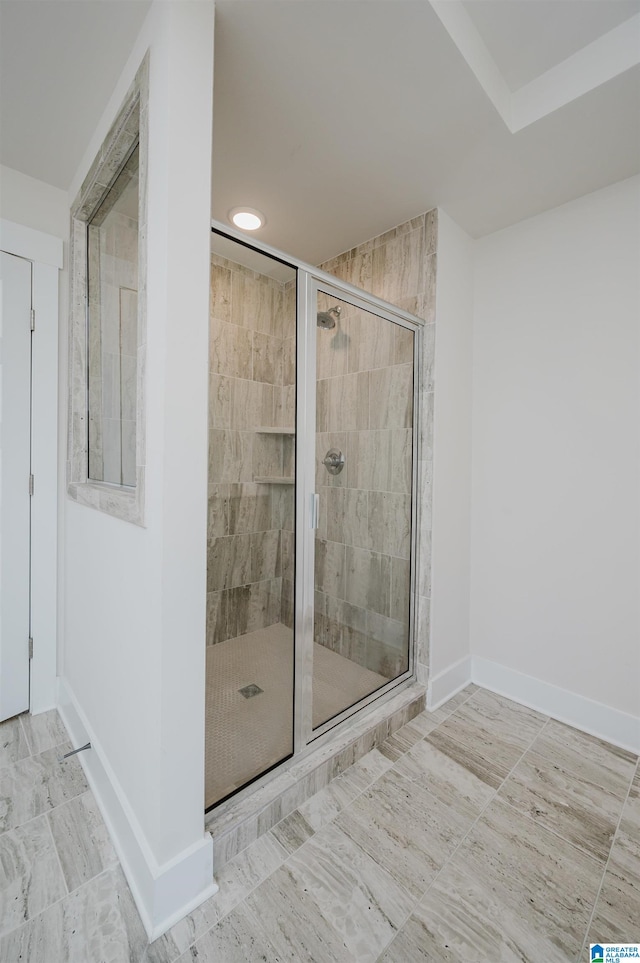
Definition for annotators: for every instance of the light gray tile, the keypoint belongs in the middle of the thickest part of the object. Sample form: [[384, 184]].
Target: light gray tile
[[236, 879], [401, 467], [400, 589], [217, 608], [82, 840], [30, 877], [37, 784], [329, 567], [565, 802], [512, 892], [252, 405], [253, 302], [600, 762], [239, 938], [389, 519], [403, 343], [369, 460], [324, 805], [406, 829], [267, 359], [96, 923], [398, 265], [217, 511], [368, 580], [230, 350], [43, 731], [265, 555], [267, 457], [229, 561], [372, 341], [346, 514], [220, 293], [445, 776], [342, 403], [401, 741], [330, 901], [13, 743], [497, 729], [617, 911], [250, 509], [220, 395], [630, 822], [292, 831], [391, 397], [427, 721], [230, 455]]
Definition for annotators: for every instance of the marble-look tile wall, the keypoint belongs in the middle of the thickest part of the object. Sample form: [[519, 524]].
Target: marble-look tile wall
[[362, 550], [249, 540], [286, 416], [364, 409]]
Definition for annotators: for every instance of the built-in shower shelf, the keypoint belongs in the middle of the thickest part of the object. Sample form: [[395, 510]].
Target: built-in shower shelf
[[273, 480], [275, 431]]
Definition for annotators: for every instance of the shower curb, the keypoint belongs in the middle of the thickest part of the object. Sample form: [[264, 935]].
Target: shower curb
[[243, 819]]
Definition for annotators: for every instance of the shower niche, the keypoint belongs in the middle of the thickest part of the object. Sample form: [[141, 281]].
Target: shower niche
[[312, 509]]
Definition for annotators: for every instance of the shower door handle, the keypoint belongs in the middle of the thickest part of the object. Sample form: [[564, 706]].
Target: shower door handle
[[315, 510]]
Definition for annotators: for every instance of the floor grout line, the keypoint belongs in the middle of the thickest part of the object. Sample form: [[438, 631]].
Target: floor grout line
[[60, 900], [57, 852], [452, 855], [329, 821], [25, 734], [606, 866]]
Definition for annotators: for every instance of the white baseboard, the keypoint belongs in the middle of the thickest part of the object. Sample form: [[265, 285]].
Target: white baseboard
[[597, 719], [163, 893], [447, 683]]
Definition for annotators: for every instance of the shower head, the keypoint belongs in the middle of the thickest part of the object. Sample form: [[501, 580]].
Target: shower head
[[327, 319]]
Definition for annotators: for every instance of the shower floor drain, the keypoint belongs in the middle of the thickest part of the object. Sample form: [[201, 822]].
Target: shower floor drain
[[250, 690]]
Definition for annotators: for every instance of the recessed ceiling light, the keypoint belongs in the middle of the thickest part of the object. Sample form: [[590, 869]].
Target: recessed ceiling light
[[247, 218]]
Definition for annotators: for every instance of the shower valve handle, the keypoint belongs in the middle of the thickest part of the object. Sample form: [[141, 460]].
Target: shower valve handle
[[333, 461]]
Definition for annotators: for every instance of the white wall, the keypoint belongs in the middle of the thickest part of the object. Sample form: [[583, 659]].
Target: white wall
[[132, 661], [449, 662], [556, 468], [33, 203]]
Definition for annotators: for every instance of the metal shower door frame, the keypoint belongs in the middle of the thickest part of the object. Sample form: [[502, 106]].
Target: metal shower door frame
[[310, 282]]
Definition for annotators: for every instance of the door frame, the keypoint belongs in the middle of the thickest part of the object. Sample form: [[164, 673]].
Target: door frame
[[46, 255], [311, 282]]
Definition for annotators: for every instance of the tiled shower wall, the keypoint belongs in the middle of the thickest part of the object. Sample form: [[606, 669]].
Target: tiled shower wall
[[252, 321], [364, 409], [399, 267]]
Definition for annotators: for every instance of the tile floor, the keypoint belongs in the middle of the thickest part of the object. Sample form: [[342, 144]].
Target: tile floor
[[481, 832]]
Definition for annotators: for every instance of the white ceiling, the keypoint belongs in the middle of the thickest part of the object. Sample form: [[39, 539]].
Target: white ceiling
[[527, 38], [341, 118]]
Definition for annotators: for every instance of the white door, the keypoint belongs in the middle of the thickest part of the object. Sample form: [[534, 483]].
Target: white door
[[15, 466]]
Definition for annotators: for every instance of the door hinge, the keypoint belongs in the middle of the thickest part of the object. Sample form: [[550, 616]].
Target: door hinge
[[33, 319], [30, 647], [31, 484]]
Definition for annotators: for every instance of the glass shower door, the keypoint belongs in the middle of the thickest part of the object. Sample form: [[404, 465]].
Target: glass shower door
[[364, 483]]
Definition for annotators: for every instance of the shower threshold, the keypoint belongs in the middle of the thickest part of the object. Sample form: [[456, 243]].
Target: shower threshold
[[254, 810]]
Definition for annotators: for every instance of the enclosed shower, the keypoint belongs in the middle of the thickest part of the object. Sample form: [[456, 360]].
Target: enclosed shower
[[312, 509]]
